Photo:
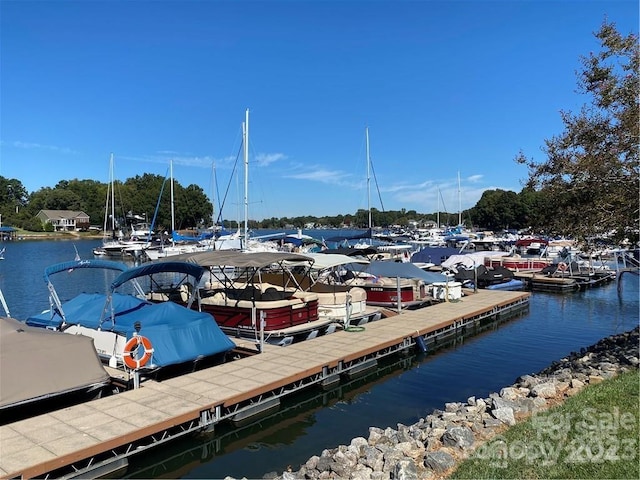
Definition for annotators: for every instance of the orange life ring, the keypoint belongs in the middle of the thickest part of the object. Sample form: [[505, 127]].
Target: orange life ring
[[562, 266], [129, 353]]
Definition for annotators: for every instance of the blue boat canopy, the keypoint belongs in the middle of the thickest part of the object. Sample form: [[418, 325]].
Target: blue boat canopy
[[146, 269], [90, 310], [76, 264]]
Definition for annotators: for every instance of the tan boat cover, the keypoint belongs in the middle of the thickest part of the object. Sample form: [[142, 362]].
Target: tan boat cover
[[36, 363]]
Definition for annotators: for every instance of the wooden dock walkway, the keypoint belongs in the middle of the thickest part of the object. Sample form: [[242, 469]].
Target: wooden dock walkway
[[96, 437]]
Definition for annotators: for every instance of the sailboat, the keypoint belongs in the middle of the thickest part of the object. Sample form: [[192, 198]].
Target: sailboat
[[179, 244], [117, 245], [110, 244]]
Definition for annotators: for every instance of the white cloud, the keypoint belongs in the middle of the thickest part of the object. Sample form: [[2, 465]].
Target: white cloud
[[321, 175], [265, 159], [38, 146]]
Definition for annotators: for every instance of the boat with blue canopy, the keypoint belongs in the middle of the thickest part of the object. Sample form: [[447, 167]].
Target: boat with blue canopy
[[135, 331]]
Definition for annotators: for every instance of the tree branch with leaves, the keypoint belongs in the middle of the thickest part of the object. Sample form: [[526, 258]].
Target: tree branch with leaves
[[591, 174]]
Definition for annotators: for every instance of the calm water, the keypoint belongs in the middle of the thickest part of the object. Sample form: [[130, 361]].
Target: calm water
[[404, 389]]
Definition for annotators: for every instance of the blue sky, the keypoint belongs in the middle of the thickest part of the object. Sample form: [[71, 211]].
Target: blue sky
[[446, 89]]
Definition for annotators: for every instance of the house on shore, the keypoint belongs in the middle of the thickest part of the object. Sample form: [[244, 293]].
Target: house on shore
[[64, 220]]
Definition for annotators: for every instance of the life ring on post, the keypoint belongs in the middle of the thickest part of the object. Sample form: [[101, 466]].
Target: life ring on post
[[129, 356], [562, 266]]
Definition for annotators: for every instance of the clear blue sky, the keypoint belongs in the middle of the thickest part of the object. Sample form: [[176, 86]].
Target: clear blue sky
[[446, 88]]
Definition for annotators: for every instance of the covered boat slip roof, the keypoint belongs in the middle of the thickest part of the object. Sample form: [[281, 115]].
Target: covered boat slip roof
[[36, 363], [384, 268], [234, 258]]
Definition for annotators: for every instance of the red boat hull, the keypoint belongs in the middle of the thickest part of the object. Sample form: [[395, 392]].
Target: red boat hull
[[275, 318]]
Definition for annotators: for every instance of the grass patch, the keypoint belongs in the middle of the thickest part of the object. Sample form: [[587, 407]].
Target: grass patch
[[593, 434]]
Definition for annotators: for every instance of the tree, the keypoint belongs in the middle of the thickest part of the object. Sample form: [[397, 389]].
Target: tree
[[590, 177], [497, 209], [13, 196]]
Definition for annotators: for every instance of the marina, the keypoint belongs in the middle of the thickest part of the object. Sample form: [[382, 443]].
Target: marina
[[97, 437], [492, 325]]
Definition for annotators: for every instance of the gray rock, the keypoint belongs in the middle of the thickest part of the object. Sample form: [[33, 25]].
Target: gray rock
[[372, 458], [505, 415], [312, 463], [344, 463], [461, 437], [509, 393], [528, 381], [452, 406], [361, 472], [439, 461], [380, 475], [405, 469], [544, 390], [325, 464]]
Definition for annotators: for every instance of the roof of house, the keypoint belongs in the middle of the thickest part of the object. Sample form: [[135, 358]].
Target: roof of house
[[63, 213]]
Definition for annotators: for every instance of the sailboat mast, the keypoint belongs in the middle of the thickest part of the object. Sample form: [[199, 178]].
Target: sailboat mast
[[459, 202], [245, 128], [213, 196], [113, 198], [173, 219], [438, 209], [368, 177]]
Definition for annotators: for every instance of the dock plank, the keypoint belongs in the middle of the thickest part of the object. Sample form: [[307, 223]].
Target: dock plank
[[38, 445]]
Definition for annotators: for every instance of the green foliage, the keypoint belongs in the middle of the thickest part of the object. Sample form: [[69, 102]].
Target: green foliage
[[590, 176], [31, 224]]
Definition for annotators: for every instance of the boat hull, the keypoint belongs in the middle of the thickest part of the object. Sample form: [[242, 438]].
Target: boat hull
[[274, 317]]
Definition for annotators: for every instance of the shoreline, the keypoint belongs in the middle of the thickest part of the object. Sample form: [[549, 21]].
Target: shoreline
[[19, 237], [433, 447]]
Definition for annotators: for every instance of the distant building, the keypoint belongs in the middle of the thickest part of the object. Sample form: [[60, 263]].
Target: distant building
[[64, 220]]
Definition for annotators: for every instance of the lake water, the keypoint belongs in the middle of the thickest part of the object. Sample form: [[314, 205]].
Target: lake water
[[402, 391]]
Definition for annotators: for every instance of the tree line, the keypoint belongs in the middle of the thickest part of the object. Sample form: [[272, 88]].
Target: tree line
[[588, 184], [142, 195]]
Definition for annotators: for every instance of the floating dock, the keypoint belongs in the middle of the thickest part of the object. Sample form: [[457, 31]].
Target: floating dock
[[96, 438], [564, 282]]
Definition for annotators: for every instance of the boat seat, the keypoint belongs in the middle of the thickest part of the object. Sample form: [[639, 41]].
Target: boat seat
[[272, 293]]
